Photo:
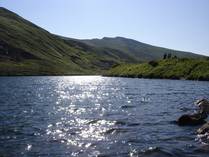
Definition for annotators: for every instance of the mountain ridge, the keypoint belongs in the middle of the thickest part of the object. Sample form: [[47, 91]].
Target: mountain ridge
[[137, 49], [27, 49]]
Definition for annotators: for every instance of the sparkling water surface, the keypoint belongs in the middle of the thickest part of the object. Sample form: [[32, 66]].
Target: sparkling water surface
[[98, 116]]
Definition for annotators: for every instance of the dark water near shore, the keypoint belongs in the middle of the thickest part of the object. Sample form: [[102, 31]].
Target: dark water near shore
[[98, 116]]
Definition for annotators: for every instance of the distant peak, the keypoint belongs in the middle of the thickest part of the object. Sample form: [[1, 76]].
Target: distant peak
[[117, 37], [106, 38]]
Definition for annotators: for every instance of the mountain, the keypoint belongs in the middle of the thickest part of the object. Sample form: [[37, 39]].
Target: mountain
[[138, 51], [27, 49]]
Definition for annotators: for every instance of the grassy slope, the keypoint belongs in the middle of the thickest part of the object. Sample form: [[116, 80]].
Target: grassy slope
[[26, 49], [193, 69], [48, 53], [135, 50]]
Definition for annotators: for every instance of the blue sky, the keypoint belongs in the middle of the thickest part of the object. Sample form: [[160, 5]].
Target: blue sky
[[176, 24]]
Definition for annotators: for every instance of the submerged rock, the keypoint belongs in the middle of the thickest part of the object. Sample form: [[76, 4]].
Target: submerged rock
[[197, 118], [193, 119]]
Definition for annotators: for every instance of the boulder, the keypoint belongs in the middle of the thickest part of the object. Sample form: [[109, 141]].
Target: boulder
[[193, 119], [204, 129], [203, 105]]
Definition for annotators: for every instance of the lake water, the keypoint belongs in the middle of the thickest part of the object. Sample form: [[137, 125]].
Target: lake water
[[98, 116]]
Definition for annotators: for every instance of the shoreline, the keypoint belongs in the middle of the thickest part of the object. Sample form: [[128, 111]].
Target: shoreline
[[50, 75], [121, 76], [159, 78]]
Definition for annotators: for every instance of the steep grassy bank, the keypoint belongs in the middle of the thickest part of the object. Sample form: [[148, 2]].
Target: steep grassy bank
[[27, 49], [191, 69]]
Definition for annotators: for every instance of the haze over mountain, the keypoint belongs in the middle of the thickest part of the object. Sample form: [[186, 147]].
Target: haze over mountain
[[27, 49]]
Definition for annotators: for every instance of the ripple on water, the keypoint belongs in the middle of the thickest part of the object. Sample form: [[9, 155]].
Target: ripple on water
[[203, 138], [151, 151], [127, 106], [98, 116], [77, 130]]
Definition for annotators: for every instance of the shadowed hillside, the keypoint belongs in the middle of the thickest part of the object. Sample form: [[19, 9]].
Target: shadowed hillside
[[26, 49]]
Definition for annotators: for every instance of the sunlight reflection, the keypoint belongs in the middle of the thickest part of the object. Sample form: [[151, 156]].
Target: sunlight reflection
[[93, 130], [79, 97], [81, 80], [78, 88], [96, 131]]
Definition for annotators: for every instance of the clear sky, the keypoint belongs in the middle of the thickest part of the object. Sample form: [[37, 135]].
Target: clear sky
[[176, 24]]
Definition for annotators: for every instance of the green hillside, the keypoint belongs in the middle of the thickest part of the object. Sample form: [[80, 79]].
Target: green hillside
[[192, 69], [26, 49], [137, 51]]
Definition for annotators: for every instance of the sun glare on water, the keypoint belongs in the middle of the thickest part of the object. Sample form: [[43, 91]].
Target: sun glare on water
[[78, 99]]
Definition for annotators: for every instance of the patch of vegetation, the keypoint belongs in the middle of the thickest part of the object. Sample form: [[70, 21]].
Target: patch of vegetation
[[153, 63], [192, 69]]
